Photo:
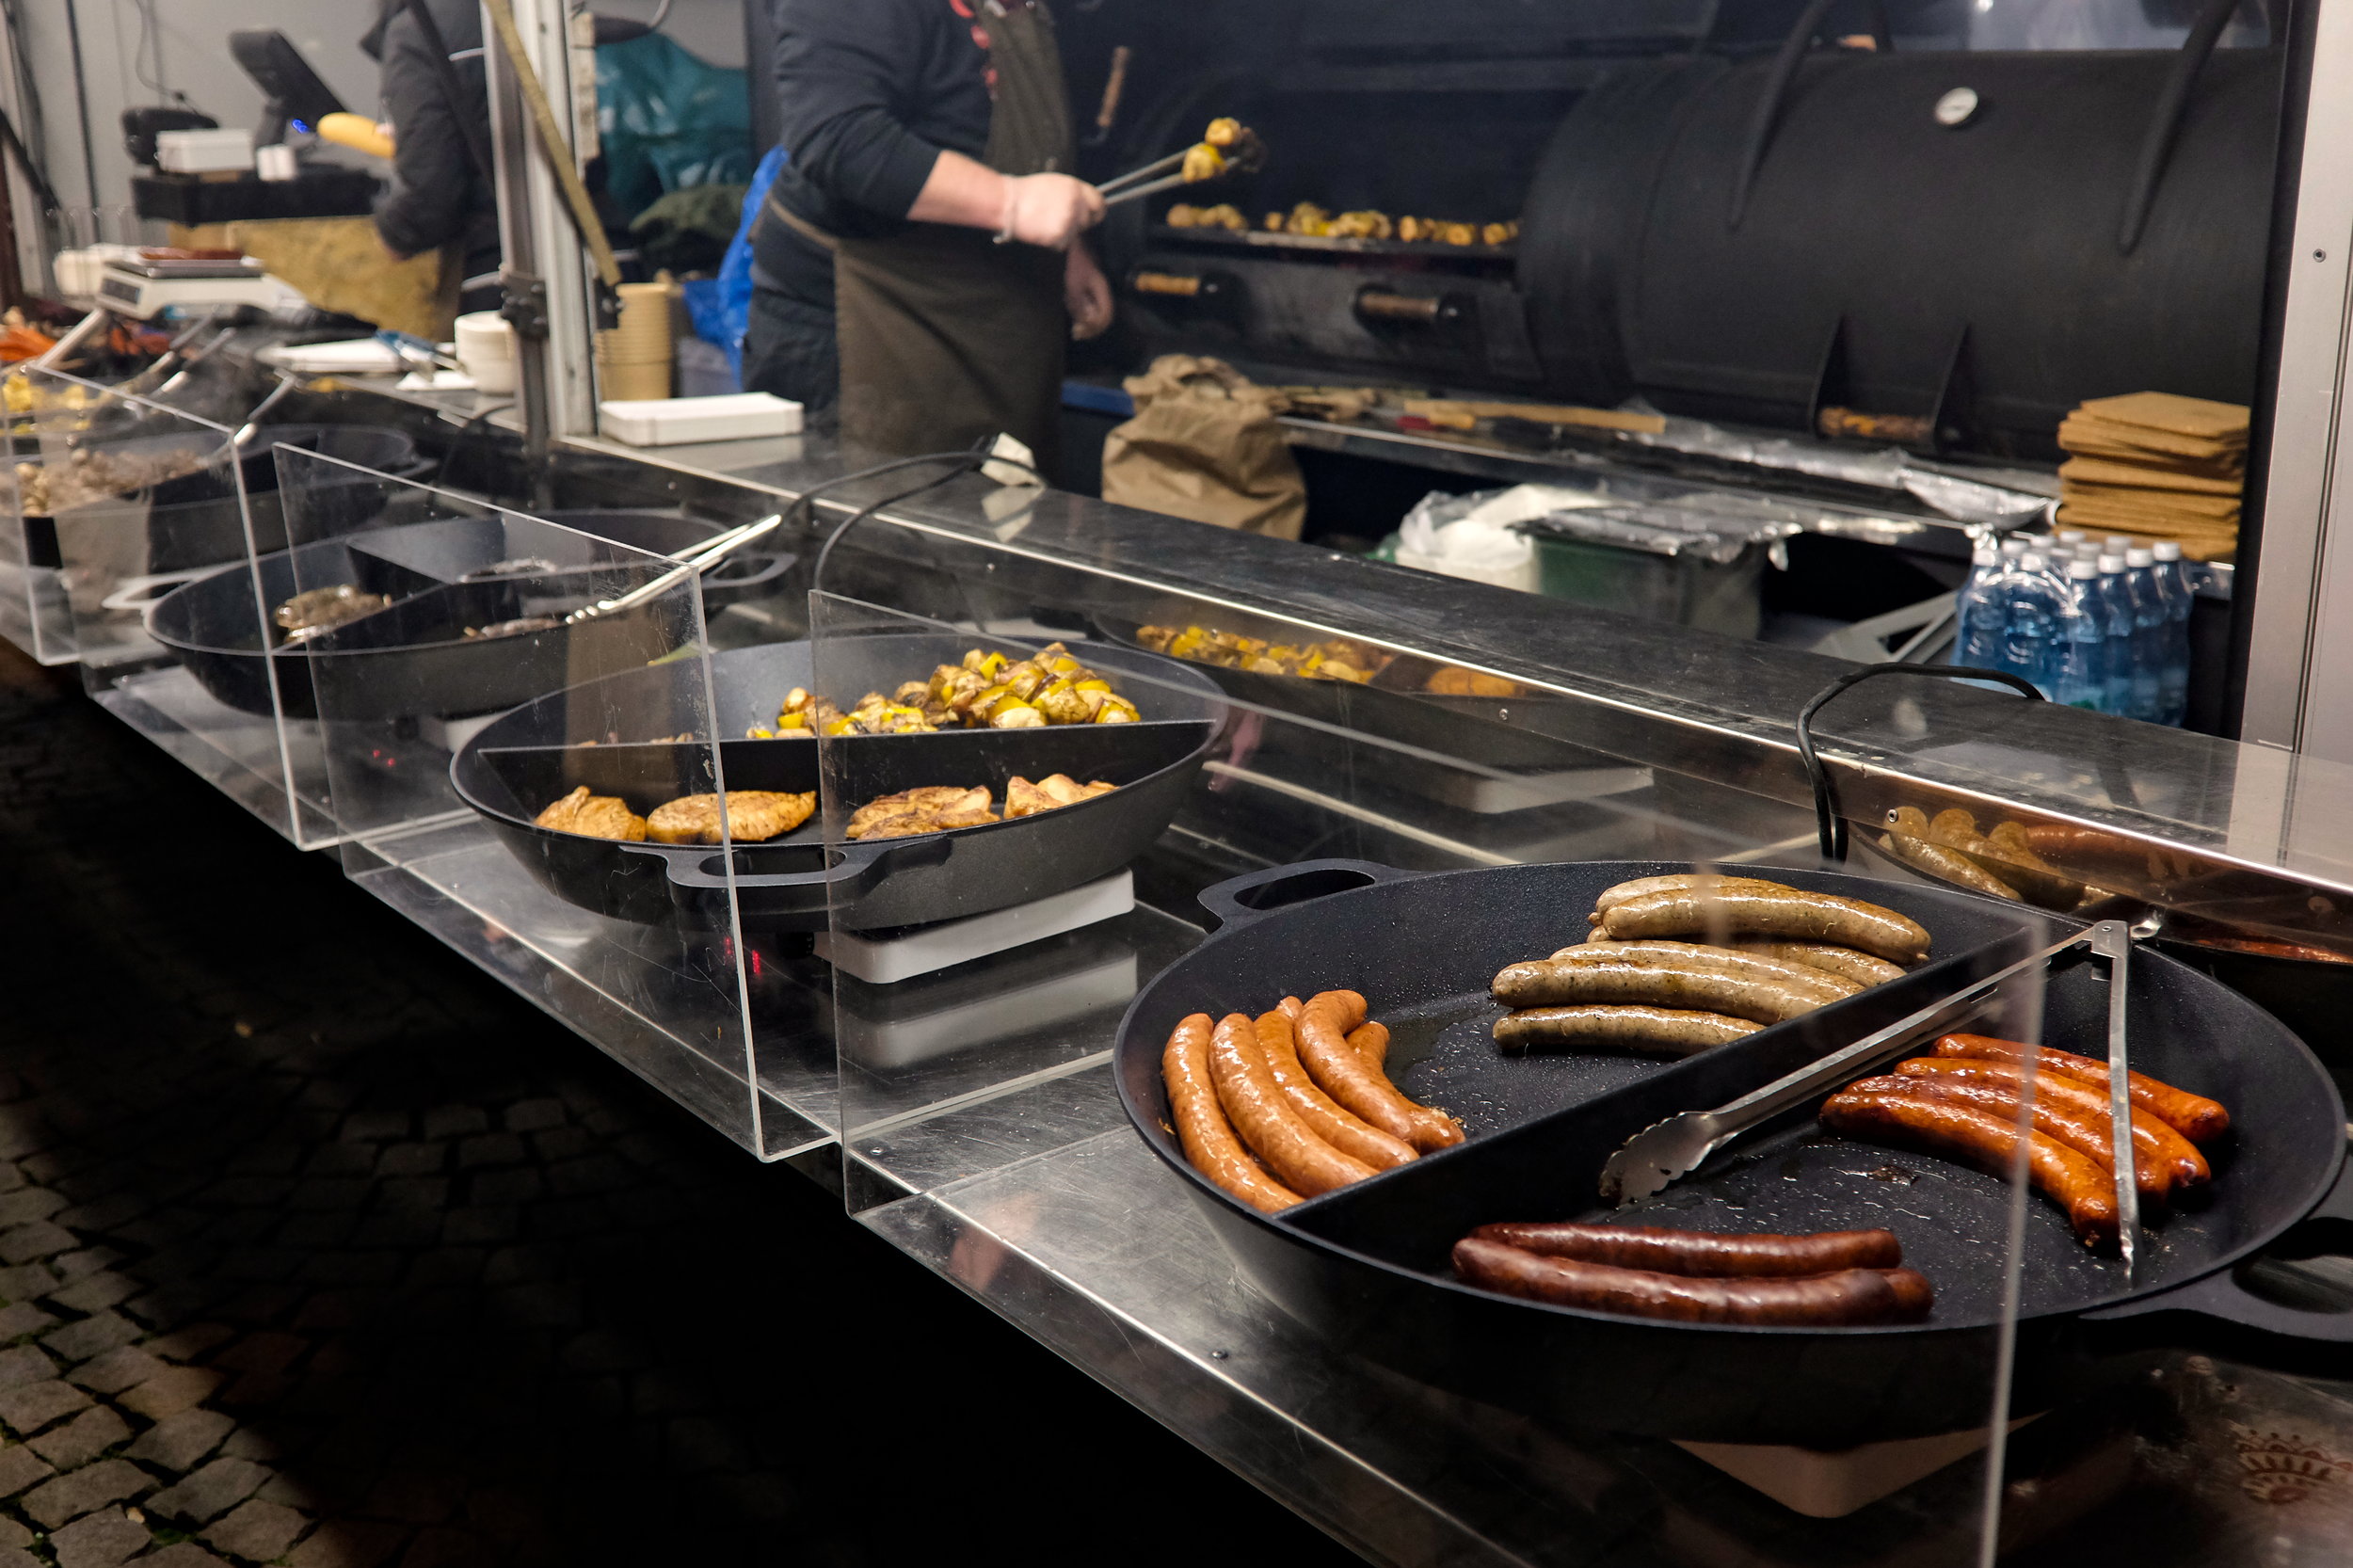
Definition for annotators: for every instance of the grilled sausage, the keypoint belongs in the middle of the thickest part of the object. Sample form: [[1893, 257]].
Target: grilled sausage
[[2156, 1144], [1947, 865], [1731, 961], [1371, 1042], [1260, 1112], [1681, 882], [1847, 1297], [2193, 1116], [1343, 1073], [1789, 914], [1968, 1136], [1291, 1007], [2072, 1123], [1655, 980], [2008, 859], [1698, 1251], [1202, 1129], [1329, 1120], [1860, 968], [1648, 1031]]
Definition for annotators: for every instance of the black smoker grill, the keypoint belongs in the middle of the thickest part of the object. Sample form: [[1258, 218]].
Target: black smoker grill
[[1747, 233]]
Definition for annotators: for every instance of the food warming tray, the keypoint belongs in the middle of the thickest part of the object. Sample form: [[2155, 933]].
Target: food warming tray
[[526, 758], [417, 660], [1366, 1265], [1488, 732]]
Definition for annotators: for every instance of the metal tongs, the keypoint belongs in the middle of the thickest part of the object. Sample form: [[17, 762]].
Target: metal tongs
[[1668, 1150], [1246, 154], [702, 558]]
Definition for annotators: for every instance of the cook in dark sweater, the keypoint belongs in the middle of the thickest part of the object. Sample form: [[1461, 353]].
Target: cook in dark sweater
[[437, 197], [927, 223]]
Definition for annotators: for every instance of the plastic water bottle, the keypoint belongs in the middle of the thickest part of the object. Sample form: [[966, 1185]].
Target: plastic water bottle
[[2118, 648], [2070, 537], [1977, 611], [2029, 611], [2151, 631], [2078, 678], [2172, 580]]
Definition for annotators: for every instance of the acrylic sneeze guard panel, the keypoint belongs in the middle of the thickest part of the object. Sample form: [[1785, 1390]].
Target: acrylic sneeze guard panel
[[455, 699], [158, 499], [1000, 986], [33, 611]]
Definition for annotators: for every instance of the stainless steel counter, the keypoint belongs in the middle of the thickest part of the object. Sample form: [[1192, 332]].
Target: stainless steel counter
[[970, 1118]]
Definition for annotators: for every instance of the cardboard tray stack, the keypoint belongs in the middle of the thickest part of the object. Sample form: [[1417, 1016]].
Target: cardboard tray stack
[[2154, 464]]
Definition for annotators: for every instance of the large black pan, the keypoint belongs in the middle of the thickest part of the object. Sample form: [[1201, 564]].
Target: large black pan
[[414, 658], [1366, 1265], [193, 520], [530, 757]]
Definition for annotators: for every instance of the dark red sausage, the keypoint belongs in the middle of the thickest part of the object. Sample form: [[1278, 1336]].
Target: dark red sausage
[[2155, 1143], [2193, 1116], [1968, 1136], [2083, 1128], [1849, 1296], [1697, 1251]]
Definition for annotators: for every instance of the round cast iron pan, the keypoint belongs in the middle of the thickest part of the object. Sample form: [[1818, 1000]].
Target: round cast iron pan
[[414, 658], [192, 521], [524, 759], [1484, 731], [1366, 1265]]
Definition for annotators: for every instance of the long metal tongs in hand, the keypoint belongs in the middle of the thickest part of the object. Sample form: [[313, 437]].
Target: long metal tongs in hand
[[1675, 1148], [703, 558]]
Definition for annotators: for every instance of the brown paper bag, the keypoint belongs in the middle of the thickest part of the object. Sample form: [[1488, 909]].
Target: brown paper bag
[[1204, 444]]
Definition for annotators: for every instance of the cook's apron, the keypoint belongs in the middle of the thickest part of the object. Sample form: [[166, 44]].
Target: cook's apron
[[946, 336]]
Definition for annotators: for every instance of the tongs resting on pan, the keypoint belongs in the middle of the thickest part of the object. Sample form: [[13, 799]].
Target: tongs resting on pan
[[703, 557], [1668, 1150]]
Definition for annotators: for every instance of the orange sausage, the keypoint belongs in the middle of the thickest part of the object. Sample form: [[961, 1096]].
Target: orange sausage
[[2193, 1116], [1202, 1131], [1291, 1007], [1328, 1119], [1275, 1132], [2156, 1144], [1372, 1041], [1968, 1136], [1343, 1074]]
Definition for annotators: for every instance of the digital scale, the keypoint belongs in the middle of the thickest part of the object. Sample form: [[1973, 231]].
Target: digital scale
[[142, 286]]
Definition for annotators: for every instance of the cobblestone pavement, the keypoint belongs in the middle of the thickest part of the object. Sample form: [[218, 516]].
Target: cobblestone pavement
[[317, 1247]]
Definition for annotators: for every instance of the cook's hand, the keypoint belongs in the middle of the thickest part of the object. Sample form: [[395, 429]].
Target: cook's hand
[[1049, 210], [1087, 293]]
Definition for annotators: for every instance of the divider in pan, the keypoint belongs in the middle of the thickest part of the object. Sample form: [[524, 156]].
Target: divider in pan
[[1368, 1264], [534, 755]]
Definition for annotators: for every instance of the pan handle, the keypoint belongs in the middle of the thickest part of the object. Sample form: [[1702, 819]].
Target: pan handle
[[1238, 900], [2220, 1296]]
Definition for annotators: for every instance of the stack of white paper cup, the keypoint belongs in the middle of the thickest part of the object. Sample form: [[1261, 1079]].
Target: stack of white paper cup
[[633, 360], [486, 346]]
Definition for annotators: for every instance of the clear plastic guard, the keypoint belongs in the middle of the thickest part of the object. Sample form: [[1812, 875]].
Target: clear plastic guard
[[984, 976], [135, 492], [499, 705]]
